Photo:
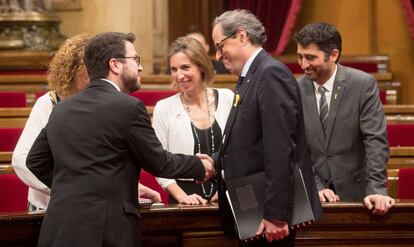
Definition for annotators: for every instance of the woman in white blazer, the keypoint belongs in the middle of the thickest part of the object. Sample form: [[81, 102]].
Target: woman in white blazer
[[191, 121]]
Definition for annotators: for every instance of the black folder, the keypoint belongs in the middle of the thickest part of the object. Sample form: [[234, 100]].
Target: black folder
[[246, 196]]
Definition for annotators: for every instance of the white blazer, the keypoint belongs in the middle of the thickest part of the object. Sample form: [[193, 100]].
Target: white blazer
[[173, 127], [39, 193]]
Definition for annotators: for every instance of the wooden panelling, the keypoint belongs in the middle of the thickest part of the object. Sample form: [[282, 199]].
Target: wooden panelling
[[367, 27], [186, 14], [343, 224]]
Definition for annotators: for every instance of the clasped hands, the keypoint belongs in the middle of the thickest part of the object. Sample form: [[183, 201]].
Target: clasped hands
[[378, 204], [208, 166]]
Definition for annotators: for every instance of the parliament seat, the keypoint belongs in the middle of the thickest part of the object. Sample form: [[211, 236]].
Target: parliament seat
[[39, 94], [13, 193], [401, 134], [12, 99], [406, 183], [383, 96], [149, 180], [9, 138], [151, 97]]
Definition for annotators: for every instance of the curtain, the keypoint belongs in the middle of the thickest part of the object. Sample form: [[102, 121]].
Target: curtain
[[408, 6], [278, 17]]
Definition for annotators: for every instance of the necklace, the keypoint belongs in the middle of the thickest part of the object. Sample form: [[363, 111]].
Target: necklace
[[187, 107]]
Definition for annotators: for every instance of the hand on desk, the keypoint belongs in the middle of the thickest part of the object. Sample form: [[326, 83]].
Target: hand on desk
[[208, 165], [193, 199], [274, 230], [149, 193], [327, 195], [379, 204]]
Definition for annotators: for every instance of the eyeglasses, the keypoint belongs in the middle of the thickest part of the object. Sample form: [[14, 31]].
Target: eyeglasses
[[219, 45], [136, 59]]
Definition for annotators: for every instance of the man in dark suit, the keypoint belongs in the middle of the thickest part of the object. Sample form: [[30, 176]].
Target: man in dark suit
[[345, 122], [265, 129], [93, 148]]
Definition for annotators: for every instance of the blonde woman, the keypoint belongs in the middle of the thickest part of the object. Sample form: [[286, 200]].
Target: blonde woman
[[192, 121]]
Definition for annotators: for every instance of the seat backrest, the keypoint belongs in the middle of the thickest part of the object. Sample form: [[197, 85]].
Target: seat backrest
[[400, 134], [406, 183], [9, 138], [150, 181], [13, 193], [12, 99], [383, 96], [150, 98], [39, 94]]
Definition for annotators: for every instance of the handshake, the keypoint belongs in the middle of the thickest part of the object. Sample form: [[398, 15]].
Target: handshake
[[208, 165]]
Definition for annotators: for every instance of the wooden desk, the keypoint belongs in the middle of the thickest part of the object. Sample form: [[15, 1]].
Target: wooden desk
[[344, 224], [399, 113], [14, 117], [400, 157], [32, 83]]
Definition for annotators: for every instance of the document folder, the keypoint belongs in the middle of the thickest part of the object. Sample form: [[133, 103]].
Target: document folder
[[247, 195]]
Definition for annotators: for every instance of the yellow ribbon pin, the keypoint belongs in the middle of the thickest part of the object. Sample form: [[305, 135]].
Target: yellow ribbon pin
[[236, 100]]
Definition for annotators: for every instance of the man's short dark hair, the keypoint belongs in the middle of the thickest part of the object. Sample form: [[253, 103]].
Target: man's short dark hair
[[324, 35], [101, 48]]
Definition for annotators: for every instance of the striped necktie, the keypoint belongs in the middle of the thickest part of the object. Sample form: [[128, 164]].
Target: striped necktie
[[323, 107]]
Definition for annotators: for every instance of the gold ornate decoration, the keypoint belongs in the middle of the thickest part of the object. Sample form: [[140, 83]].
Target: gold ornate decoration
[[28, 27]]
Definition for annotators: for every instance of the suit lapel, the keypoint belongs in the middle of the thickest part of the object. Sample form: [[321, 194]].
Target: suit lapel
[[238, 97], [312, 108], [336, 96]]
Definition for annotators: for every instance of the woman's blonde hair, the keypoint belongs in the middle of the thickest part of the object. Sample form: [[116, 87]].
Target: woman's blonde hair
[[67, 61], [197, 54]]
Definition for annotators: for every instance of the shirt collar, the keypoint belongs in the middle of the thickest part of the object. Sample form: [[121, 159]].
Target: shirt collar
[[329, 83], [249, 62], [112, 83]]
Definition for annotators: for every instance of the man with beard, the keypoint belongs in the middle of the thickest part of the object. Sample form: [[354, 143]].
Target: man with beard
[[345, 122], [92, 150]]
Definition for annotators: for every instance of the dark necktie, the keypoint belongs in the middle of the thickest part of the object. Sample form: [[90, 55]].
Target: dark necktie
[[323, 107], [239, 82]]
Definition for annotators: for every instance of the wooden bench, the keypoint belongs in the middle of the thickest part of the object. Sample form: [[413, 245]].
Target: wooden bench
[[399, 113], [400, 157], [17, 117], [14, 117], [343, 224], [32, 83]]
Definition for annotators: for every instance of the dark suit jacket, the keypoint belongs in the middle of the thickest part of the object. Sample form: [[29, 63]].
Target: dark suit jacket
[[90, 154], [265, 132], [354, 154]]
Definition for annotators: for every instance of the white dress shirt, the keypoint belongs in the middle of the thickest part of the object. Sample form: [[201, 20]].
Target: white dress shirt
[[328, 86]]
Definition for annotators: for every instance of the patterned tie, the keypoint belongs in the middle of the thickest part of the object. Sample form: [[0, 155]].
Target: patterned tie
[[239, 82], [323, 107]]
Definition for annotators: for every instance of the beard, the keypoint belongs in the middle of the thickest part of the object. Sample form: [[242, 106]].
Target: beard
[[131, 83]]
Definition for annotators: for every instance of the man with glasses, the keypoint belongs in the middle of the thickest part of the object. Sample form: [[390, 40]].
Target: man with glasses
[[92, 150], [265, 129], [217, 65]]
